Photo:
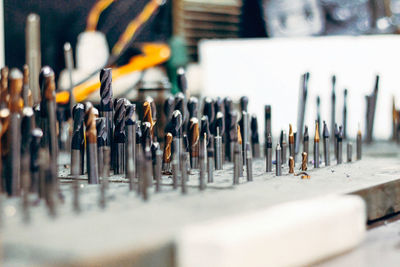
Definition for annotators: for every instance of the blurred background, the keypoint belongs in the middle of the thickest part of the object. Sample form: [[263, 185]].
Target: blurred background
[[228, 47]]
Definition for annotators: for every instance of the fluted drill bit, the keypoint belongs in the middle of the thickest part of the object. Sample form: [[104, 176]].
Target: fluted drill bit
[[194, 137], [193, 107], [106, 102], [181, 80], [255, 140], [306, 139], [101, 143], [119, 136], [167, 155], [148, 117], [244, 103], [4, 88], [130, 151], [316, 146], [26, 91], [91, 145], [327, 149], [77, 141]]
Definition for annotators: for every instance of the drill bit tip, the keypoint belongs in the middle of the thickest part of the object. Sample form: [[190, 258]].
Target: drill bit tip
[[316, 137]]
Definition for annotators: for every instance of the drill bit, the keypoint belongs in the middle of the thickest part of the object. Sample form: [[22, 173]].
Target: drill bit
[[27, 124], [146, 172], [106, 103], [181, 81], [335, 141], [345, 114], [219, 105], [318, 112], [202, 161], [169, 107], [359, 144], [155, 146], [176, 124], [249, 164], [333, 105], [236, 162], [219, 149], [228, 106], [33, 54], [255, 142], [36, 136], [327, 148], [26, 91], [291, 165], [283, 147], [244, 102], [4, 122], [316, 146], [232, 136], [193, 108], [166, 165], [240, 142], [268, 157], [304, 161], [267, 126], [130, 151], [349, 152], [181, 105], [371, 111], [208, 110], [13, 178], [278, 167], [340, 146], [148, 117], [101, 144], [291, 142], [244, 127], [306, 139], [194, 136], [91, 145], [119, 136], [4, 96], [210, 164], [69, 65], [302, 111], [77, 141]]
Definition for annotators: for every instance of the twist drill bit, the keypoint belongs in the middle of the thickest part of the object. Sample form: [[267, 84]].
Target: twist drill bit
[[119, 137], [236, 162], [180, 104], [335, 141], [333, 105], [4, 122], [130, 151], [49, 98], [26, 91], [176, 124], [169, 107], [13, 178], [278, 167], [228, 106], [194, 136], [268, 157], [219, 105], [371, 110], [148, 117], [284, 147], [306, 140], [359, 144], [340, 146], [267, 125], [345, 114], [202, 161], [210, 164], [255, 142], [77, 141], [302, 110], [155, 146], [33, 53], [219, 148], [205, 129], [244, 102], [249, 164], [232, 136], [106, 103], [69, 65], [244, 127], [327, 148], [91, 145], [166, 165], [318, 111], [349, 152], [4, 97], [291, 165], [208, 110], [304, 161], [181, 81], [101, 144], [36, 136], [27, 124], [240, 142], [316, 146], [291, 142], [146, 134], [193, 107]]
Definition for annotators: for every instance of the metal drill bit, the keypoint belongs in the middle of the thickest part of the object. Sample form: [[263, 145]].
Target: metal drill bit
[[210, 165], [255, 141], [181, 81], [340, 146], [318, 113], [119, 136], [13, 171], [26, 91], [36, 136], [194, 136], [169, 107], [166, 165], [371, 107], [291, 165], [4, 96], [249, 163], [158, 169], [49, 98], [148, 117], [244, 127], [218, 142], [77, 141], [291, 142], [278, 167], [106, 103], [359, 144], [268, 157], [327, 147], [333, 105], [228, 106], [219, 105], [205, 129], [345, 114], [33, 54], [91, 145], [184, 174], [302, 111], [146, 134], [304, 161], [240, 142], [176, 124], [101, 143], [104, 180], [208, 110], [306, 139], [202, 161], [4, 123], [130, 150], [335, 140], [349, 152], [244, 102], [147, 173], [236, 162], [284, 147], [267, 126], [69, 65], [155, 146], [232, 136], [181, 105], [193, 107], [316, 146]]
